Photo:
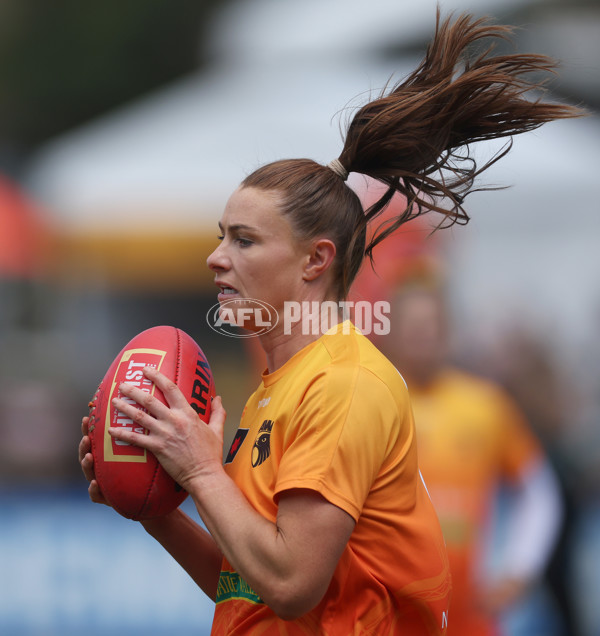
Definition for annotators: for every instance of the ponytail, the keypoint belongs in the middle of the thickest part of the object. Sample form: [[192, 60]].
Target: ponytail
[[415, 137]]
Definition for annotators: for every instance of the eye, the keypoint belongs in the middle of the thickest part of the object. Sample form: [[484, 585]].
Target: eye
[[242, 242], [220, 237]]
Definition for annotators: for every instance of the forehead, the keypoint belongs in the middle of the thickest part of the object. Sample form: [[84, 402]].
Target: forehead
[[253, 208]]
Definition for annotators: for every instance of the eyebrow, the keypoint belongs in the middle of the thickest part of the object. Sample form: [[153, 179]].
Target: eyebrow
[[237, 227]]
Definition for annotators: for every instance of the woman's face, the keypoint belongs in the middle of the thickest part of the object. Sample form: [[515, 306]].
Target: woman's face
[[258, 258], [418, 338]]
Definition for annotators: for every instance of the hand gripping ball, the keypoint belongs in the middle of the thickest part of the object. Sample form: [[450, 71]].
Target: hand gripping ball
[[131, 478]]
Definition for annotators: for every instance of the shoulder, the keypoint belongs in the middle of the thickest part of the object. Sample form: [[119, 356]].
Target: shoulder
[[351, 349], [489, 400], [358, 374], [460, 380]]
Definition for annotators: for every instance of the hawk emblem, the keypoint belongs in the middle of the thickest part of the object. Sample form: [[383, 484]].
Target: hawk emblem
[[262, 444]]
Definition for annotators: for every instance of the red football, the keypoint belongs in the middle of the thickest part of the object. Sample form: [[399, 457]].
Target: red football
[[131, 478]]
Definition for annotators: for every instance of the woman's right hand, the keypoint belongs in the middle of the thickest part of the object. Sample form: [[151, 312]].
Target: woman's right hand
[[86, 459]]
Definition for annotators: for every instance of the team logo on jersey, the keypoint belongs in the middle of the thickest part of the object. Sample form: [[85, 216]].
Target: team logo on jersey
[[238, 440], [262, 444], [262, 403]]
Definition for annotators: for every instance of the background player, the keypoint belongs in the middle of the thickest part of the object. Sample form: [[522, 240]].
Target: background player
[[473, 439]]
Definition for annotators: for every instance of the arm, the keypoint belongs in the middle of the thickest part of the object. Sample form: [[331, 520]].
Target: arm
[[189, 544], [534, 523], [289, 563], [535, 516]]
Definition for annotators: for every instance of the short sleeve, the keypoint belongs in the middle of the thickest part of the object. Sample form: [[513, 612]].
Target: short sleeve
[[339, 437], [519, 446]]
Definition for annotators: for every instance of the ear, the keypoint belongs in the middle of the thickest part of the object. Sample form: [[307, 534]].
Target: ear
[[319, 260]]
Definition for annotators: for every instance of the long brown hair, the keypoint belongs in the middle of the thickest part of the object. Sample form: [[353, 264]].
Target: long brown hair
[[415, 138]]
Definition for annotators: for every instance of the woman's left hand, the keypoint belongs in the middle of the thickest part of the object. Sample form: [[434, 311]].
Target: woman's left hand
[[185, 446]]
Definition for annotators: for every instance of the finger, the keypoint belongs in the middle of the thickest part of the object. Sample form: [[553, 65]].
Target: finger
[[96, 494], [218, 416], [173, 395], [85, 446], [136, 414], [131, 437], [84, 425], [134, 396], [87, 466]]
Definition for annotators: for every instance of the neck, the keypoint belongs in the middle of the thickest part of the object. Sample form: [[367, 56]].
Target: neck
[[290, 337], [281, 347]]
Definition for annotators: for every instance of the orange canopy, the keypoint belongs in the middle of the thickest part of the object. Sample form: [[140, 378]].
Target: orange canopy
[[24, 236]]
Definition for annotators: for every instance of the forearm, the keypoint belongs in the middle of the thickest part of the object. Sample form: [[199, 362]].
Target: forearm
[[191, 546], [250, 542], [534, 524], [288, 563], [274, 559]]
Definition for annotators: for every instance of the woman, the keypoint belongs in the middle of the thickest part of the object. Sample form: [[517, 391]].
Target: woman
[[319, 521], [473, 440]]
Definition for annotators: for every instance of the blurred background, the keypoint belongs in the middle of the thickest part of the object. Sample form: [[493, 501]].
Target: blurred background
[[124, 127]]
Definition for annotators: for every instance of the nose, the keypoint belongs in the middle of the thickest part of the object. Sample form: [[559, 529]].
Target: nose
[[218, 261]]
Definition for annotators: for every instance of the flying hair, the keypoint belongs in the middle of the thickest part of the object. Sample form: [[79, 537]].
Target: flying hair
[[415, 136]]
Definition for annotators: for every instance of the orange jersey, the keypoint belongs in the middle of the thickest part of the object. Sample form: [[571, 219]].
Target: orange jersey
[[336, 419], [470, 436]]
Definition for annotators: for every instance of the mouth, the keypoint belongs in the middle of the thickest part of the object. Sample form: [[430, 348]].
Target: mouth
[[226, 291]]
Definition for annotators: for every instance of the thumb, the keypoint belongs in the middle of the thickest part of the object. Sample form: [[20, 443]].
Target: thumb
[[217, 416]]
